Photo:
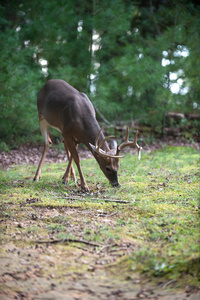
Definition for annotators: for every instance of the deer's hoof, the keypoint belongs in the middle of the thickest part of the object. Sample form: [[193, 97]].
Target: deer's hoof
[[65, 182], [116, 185], [85, 189]]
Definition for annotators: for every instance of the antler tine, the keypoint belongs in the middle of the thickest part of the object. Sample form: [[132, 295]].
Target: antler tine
[[136, 145], [127, 133], [135, 138], [133, 144], [97, 138], [104, 140], [102, 153], [98, 147], [139, 152]]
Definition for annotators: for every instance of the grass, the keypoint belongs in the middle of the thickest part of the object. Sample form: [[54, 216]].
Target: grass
[[160, 220]]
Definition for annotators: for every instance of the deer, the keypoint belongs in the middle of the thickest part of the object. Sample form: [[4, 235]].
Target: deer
[[64, 108]]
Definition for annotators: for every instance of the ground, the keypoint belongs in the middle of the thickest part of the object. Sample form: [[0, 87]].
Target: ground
[[59, 243]]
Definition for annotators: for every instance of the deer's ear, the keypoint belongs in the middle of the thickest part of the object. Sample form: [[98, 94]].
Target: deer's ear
[[97, 153], [113, 145]]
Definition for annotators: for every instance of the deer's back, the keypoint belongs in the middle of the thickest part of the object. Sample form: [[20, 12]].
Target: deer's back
[[64, 107]]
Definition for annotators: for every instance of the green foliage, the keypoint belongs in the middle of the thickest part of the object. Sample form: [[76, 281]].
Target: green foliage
[[4, 147], [19, 85], [121, 43], [133, 83]]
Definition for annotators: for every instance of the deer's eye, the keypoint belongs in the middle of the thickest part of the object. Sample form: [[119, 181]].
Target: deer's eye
[[108, 169]]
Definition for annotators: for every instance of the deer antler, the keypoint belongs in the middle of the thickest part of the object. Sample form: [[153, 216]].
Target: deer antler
[[97, 148], [129, 143]]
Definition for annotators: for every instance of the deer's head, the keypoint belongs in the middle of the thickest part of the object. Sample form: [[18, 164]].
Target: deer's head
[[109, 161]]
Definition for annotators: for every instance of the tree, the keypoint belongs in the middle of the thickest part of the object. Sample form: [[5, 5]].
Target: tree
[[127, 55], [137, 42]]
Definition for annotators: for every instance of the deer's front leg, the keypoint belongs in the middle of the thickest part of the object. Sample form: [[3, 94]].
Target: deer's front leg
[[70, 168], [72, 149]]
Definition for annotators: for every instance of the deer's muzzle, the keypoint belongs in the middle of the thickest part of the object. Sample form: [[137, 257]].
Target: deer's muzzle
[[115, 184]]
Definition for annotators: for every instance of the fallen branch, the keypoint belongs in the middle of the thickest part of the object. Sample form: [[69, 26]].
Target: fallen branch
[[68, 240], [168, 283], [111, 200], [99, 199], [70, 197]]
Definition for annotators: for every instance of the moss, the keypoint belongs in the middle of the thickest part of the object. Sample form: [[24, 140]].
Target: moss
[[154, 233]]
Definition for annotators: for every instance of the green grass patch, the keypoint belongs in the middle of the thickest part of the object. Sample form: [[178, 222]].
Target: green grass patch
[[160, 219]]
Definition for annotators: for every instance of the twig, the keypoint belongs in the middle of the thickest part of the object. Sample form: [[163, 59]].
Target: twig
[[85, 249], [102, 248], [101, 115], [168, 283], [68, 241], [106, 215], [112, 200], [10, 274], [71, 198], [121, 249], [99, 199], [107, 246]]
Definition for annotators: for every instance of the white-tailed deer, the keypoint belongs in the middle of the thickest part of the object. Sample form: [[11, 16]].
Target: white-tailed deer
[[63, 107]]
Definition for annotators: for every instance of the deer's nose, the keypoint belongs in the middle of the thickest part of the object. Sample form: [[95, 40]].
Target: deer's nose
[[115, 184]]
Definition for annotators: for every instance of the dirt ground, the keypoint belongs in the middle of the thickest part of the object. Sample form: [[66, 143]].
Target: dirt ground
[[28, 154], [68, 270]]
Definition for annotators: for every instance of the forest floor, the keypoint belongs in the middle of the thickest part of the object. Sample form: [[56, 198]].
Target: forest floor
[[60, 243], [31, 154]]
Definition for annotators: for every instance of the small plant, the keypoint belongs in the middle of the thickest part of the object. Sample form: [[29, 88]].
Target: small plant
[[4, 147]]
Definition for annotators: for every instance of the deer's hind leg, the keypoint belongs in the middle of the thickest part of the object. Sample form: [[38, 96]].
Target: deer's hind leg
[[47, 141]]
